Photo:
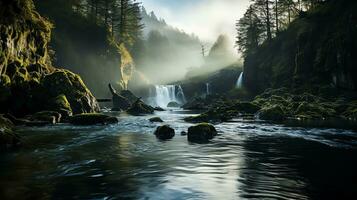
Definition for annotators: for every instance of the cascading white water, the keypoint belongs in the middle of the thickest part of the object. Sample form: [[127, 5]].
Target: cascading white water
[[165, 94], [239, 83], [208, 89], [181, 95]]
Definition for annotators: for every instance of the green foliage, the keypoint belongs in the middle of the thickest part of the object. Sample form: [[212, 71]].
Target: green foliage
[[315, 51]]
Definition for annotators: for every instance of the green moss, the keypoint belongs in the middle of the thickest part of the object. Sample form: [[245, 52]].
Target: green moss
[[202, 132], [272, 113], [64, 82]]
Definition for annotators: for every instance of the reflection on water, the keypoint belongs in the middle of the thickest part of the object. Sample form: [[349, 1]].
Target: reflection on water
[[125, 161]]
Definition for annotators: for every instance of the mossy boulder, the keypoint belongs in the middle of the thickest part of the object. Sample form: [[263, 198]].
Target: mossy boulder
[[87, 119], [213, 115], [7, 136], [315, 110], [64, 82], [60, 104], [201, 133], [165, 132], [246, 107], [351, 111], [156, 119], [140, 108], [273, 113], [173, 104], [196, 104], [48, 116], [5, 92]]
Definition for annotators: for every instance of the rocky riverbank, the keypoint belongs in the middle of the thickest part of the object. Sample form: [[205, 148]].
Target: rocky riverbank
[[281, 106]]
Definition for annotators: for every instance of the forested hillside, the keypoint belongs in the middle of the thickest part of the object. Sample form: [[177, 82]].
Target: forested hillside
[[90, 38], [307, 45]]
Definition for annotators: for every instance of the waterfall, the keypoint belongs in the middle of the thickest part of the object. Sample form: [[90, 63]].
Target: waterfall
[[208, 89], [239, 83], [180, 94], [165, 94]]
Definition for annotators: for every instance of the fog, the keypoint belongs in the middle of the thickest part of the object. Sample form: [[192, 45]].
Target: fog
[[174, 34], [205, 18]]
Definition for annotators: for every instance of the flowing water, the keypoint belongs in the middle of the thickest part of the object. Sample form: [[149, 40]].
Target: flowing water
[[239, 83], [165, 94], [247, 160], [208, 89]]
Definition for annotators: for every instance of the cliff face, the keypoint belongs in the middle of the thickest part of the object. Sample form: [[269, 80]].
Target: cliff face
[[25, 66], [24, 37], [318, 49], [82, 46]]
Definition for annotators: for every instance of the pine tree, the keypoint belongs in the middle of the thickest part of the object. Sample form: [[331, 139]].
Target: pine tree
[[250, 31]]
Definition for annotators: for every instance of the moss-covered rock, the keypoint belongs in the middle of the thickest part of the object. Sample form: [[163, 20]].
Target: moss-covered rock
[[60, 104], [165, 132], [173, 104], [7, 136], [5, 92], [48, 116], [92, 119], [314, 110], [201, 133], [156, 119], [246, 107], [140, 108], [64, 82], [272, 113]]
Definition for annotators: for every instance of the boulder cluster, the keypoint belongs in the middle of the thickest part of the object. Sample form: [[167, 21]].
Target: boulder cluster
[[200, 133]]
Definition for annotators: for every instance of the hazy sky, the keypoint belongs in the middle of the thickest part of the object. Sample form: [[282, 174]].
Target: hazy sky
[[205, 18]]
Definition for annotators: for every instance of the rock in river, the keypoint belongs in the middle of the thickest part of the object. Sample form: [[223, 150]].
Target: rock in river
[[156, 119], [201, 133], [165, 132]]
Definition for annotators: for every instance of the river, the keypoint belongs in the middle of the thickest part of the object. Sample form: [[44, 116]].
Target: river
[[247, 160]]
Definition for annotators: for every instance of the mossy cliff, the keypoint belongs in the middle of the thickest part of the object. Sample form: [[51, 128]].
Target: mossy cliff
[[317, 49], [28, 81]]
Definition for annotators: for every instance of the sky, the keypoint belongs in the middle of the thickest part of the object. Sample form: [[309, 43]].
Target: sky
[[205, 18]]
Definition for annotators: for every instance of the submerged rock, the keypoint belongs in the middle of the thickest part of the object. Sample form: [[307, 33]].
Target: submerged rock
[[140, 108], [156, 119], [92, 119], [8, 138], [201, 133], [173, 104], [164, 132]]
